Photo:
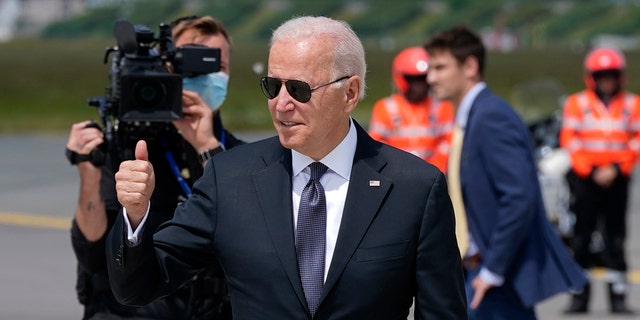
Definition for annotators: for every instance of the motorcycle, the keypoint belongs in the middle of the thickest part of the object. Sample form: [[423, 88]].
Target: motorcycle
[[553, 165]]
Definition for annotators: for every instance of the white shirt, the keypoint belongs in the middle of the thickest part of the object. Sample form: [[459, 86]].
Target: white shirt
[[462, 117], [335, 183]]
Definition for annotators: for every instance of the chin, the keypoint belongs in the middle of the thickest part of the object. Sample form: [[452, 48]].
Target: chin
[[286, 138]]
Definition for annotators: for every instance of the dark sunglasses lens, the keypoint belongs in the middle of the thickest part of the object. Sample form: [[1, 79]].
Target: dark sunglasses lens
[[299, 90], [270, 87]]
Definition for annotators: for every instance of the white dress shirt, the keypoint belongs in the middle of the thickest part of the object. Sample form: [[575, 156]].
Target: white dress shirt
[[335, 183]]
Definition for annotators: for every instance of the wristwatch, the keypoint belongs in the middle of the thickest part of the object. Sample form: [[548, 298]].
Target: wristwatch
[[75, 158], [210, 153]]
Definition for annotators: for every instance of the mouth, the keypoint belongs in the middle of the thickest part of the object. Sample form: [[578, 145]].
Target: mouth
[[288, 124]]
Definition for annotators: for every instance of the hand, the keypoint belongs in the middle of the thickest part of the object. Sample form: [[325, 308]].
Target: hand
[[83, 139], [480, 288], [604, 176], [197, 124], [135, 182]]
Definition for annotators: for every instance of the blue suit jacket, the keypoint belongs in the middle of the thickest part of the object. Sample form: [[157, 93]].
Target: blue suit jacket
[[504, 205]]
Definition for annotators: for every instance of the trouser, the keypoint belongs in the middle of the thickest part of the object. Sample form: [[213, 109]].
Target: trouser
[[591, 204]]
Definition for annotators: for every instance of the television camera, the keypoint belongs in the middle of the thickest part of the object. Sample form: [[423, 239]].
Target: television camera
[[145, 92]]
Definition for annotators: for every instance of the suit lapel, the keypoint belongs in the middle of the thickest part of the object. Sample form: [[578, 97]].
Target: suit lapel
[[274, 193], [468, 139], [364, 197]]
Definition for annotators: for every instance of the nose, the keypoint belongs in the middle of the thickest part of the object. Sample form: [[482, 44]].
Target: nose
[[431, 77], [283, 101]]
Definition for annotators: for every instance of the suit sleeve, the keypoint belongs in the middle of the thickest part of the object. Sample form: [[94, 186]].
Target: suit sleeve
[[512, 175], [166, 259], [439, 277]]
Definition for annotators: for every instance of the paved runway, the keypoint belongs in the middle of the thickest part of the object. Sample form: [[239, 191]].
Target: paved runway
[[38, 191]]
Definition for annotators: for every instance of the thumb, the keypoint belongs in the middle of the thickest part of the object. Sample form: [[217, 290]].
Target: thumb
[[141, 151]]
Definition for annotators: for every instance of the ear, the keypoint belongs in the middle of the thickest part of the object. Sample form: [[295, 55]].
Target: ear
[[352, 93], [471, 67]]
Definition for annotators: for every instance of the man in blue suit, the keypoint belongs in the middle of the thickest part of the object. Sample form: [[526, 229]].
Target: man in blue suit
[[514, 259]]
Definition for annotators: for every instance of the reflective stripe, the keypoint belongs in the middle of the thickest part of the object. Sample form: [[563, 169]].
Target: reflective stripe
[[599, 124], [574, 145], [421, 153], [379, 129], [634, 144], [444, 128], [604, 123], [571, 123], [426, 132], [444, 147], [603, 145]]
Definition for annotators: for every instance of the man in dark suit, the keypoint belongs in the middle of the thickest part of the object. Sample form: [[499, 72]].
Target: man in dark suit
[[514, 259], [388, 237]]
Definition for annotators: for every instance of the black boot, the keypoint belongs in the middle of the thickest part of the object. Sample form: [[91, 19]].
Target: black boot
[[580, 301], [616, 302]]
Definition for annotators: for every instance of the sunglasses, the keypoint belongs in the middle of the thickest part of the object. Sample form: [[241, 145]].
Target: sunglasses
[[299, 90]]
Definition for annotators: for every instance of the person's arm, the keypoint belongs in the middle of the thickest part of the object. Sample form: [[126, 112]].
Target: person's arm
[[439, 276], [133, 273], [90, 215], [628, 159], [196, 127], [510, 169], [163, 259]]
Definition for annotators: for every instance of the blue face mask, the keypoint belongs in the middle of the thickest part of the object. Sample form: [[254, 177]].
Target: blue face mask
[[211, 87]]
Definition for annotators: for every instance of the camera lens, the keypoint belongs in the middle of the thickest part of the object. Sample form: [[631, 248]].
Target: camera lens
[[148, 94]]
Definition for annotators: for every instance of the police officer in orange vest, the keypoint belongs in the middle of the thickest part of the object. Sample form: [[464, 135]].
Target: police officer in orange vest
[[410, 119], [600, 130]]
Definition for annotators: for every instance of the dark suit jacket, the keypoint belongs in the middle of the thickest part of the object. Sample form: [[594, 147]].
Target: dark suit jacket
[[504, 205], [396, 240]]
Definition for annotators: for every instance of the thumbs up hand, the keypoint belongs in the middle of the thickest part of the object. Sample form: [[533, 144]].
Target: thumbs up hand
[[135, 182]]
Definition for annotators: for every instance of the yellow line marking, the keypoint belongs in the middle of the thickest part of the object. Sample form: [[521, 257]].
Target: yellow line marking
[[37, 221], [601, 274], [49, 222]]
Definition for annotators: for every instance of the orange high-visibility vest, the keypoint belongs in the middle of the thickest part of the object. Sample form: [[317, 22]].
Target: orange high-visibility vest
[[596, 135], [423, 128]]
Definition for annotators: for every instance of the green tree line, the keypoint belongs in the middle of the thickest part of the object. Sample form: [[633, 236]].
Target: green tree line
[[49, 78]]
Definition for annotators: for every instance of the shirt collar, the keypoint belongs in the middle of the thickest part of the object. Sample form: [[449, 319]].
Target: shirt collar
[[339, 160], [465, 105]]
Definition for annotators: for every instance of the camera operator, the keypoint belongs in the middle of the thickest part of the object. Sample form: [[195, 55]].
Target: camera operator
[[191, 141]]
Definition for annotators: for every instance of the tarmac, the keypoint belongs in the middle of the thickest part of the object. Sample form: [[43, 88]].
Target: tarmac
[[38, 193]]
